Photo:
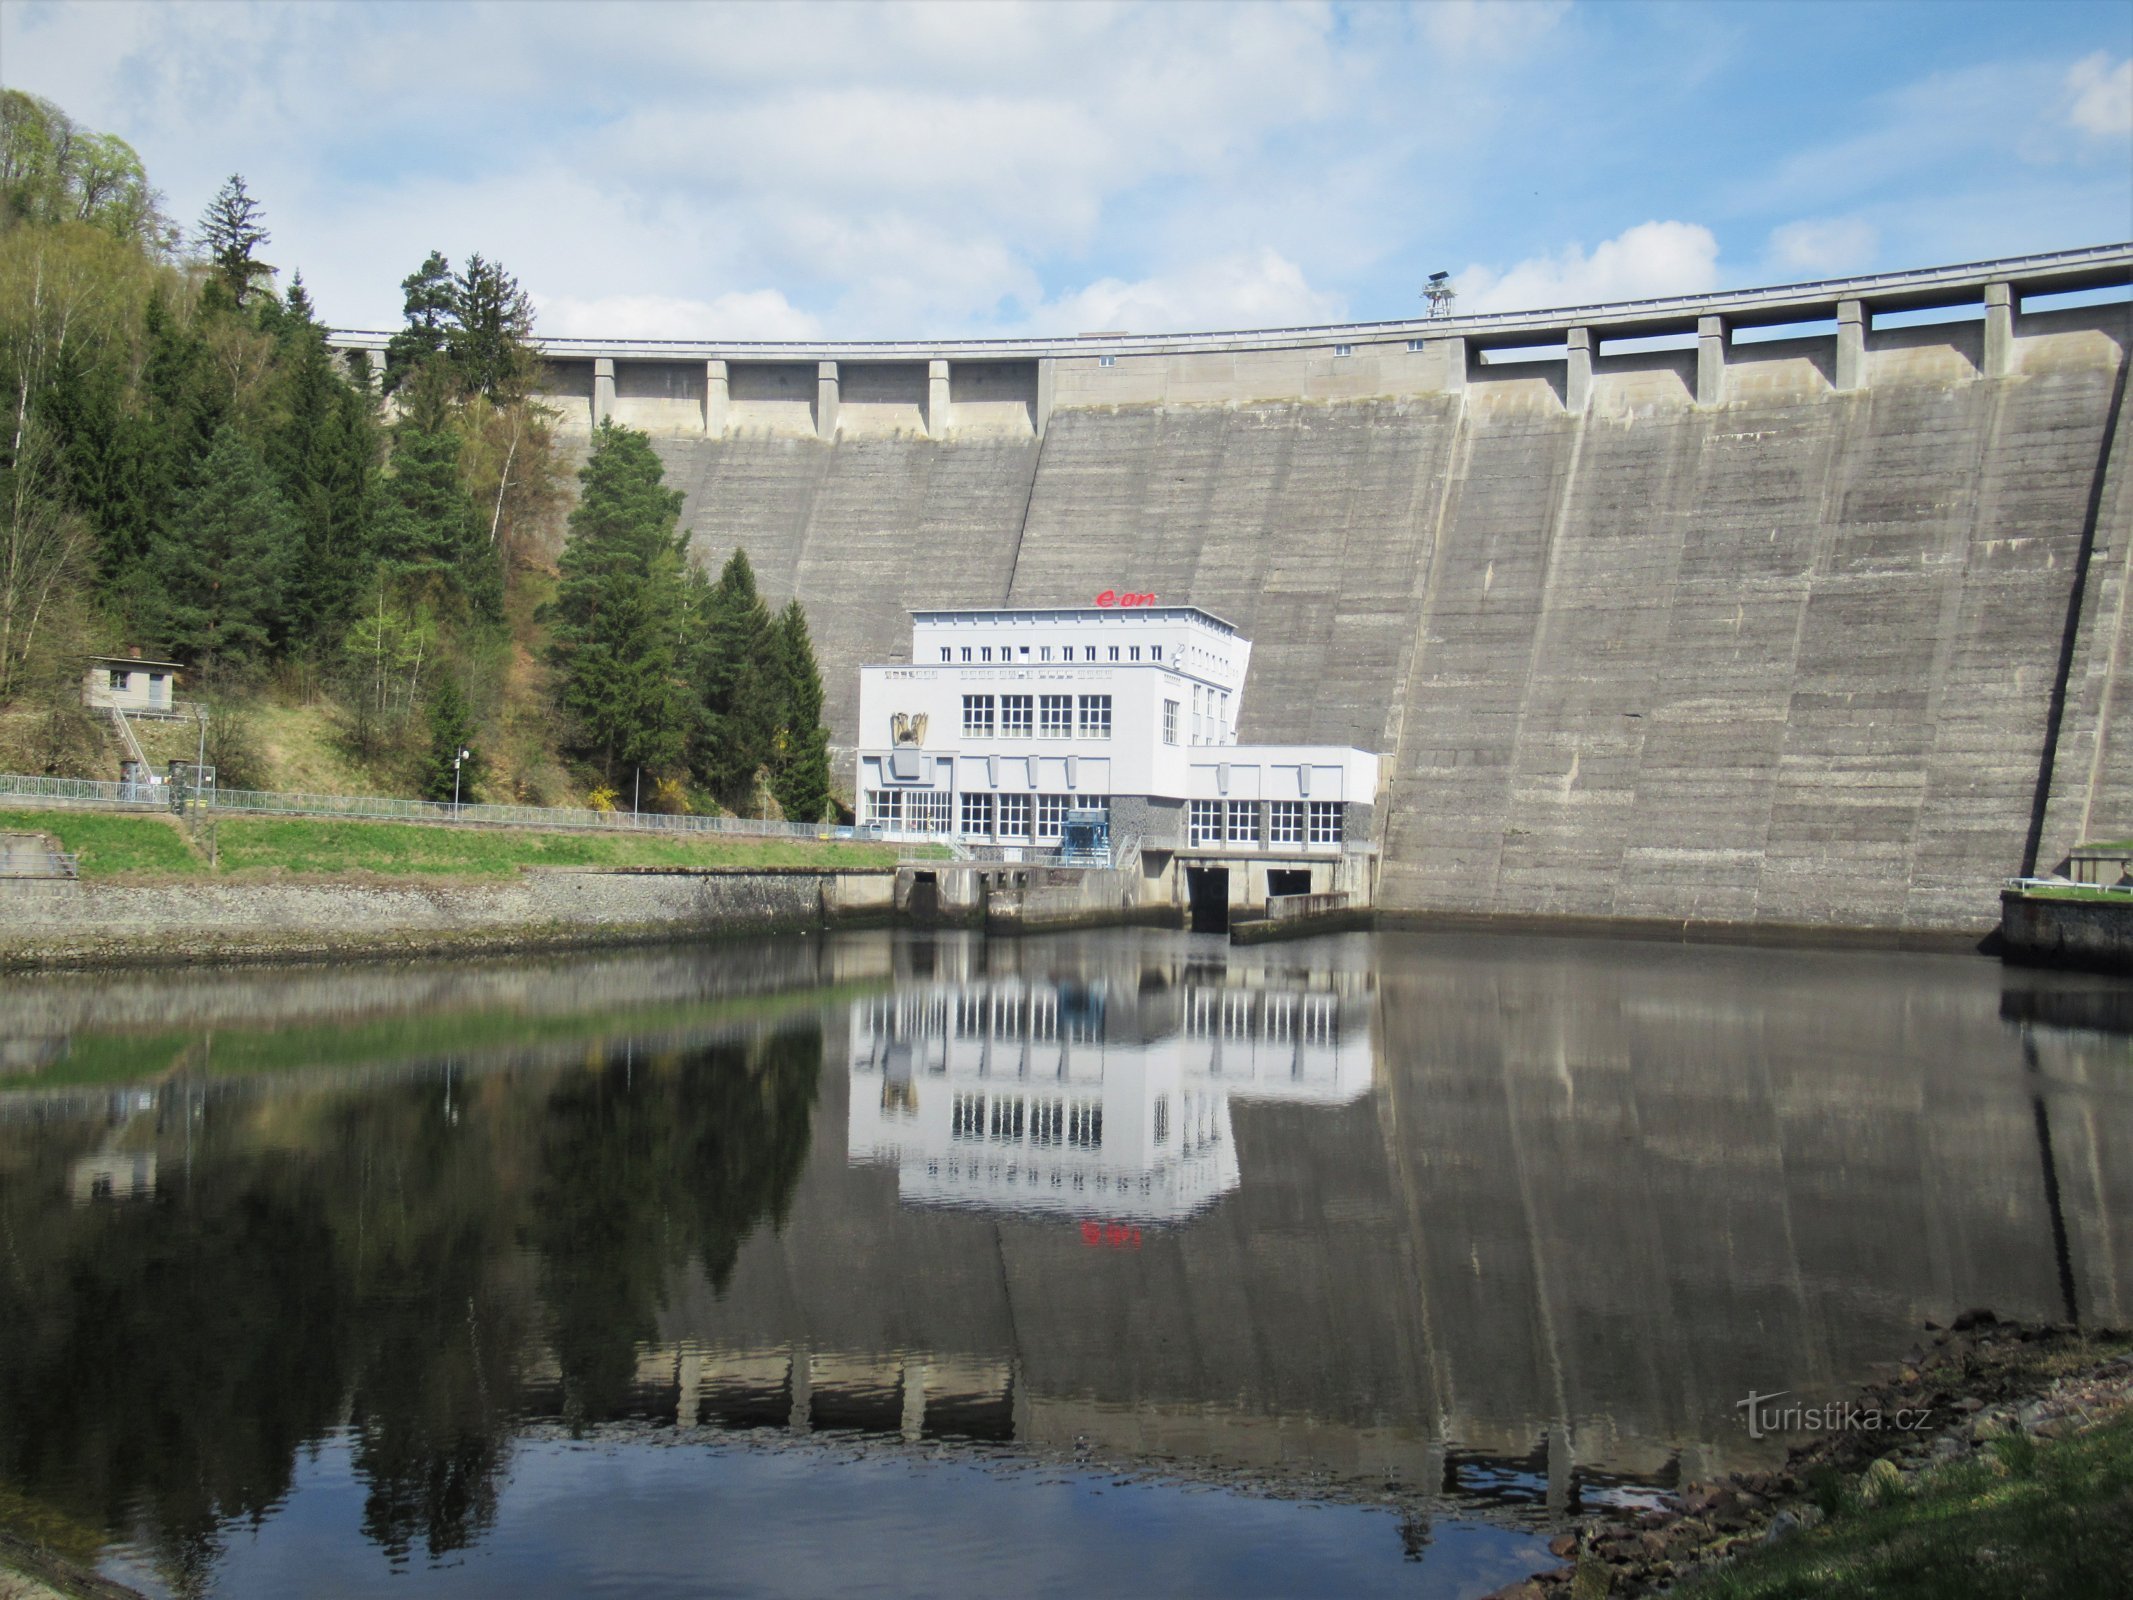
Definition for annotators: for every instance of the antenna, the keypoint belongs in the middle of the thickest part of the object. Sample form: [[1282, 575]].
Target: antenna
[[1440, 294]]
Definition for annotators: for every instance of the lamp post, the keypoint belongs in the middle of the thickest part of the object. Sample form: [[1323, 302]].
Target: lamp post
[[456, 760]]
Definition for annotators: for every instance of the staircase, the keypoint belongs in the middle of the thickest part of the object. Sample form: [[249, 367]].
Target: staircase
[[131, 745]]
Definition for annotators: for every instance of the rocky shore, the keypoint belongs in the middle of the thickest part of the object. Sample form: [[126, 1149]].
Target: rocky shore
[[1951, 1398]]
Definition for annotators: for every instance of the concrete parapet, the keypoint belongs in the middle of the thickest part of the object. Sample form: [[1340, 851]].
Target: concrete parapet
[[2095, 934], [71, 923]]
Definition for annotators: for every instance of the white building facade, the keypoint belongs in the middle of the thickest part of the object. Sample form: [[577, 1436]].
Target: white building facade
[[1004, 721]]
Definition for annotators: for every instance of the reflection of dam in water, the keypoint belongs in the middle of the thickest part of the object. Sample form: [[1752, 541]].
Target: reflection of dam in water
[[1091, 1098], [1592, 1196], [1423, 1210]]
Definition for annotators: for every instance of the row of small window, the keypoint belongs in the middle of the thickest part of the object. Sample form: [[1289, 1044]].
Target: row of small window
[[1055, 716], [1077, 1123], [1010, 652], [984, 816], [1276, 1018], [1287, 822]]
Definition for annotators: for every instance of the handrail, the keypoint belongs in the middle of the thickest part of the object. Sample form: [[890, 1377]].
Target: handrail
[[2025, 884], [387, 808], [133, 745]]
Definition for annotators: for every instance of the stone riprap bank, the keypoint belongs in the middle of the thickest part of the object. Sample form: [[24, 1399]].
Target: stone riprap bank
[[69, 922], [1826, 628]]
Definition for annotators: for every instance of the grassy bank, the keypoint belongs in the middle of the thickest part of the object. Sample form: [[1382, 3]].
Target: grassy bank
[[113, 844], [2077, 891], [143, 846], [2025, 1519]]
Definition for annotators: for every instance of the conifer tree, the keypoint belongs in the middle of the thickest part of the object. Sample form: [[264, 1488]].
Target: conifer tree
[[230, 232], [426, 301], [220, 566], [428, 530], [324, 455], [492, 324], [800, 772], [738, 681], [617, 618], [451, 731]]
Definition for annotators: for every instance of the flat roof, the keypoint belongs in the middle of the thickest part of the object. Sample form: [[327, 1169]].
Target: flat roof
[[130, 661], [1077, 613]]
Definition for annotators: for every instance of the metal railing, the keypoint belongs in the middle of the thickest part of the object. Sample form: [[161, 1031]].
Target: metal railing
[[2026, 884], [385, 808], [21, 786]]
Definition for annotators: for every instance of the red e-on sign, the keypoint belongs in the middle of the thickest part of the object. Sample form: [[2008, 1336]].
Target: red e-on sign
[[1115, 597]]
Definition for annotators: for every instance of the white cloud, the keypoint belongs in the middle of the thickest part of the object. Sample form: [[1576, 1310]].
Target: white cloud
[[1252, 290], [1823, 247], [754, 314], [959, 168], [2101, 96], [1489, 27], [1653, 258]]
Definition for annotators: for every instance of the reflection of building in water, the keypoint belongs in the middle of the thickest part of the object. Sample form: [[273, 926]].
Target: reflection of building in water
[[1080, 1098], [113, 1175]]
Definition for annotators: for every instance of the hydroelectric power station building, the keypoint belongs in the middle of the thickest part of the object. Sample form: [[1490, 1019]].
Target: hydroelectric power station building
[[1006, 724]]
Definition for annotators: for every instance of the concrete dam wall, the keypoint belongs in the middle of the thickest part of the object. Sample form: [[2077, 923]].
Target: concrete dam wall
[[1773, 608]]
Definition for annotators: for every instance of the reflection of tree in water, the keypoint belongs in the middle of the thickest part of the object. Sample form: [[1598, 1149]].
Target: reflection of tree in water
[[646, 1162], [162, 1363]]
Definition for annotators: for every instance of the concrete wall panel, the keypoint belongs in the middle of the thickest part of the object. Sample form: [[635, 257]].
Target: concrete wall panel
[[879, 399], [774, 398]]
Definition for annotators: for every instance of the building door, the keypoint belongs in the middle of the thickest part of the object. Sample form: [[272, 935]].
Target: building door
[[1207, 890]]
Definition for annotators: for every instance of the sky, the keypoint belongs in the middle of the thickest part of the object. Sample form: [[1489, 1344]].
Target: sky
[[966, 169]]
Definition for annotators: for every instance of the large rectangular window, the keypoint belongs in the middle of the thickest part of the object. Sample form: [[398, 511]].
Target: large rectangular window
[[1206, 822], [927, 810], [1244, 822], [1016, 710], [966, 1117], [1096, 716], [1325, 822], [1085, 1124], [1051, 815], [885, 806], [1285, 822], [977, 815], [1055, 715], [1047, 1120], [1170, 722], [1014, 816], [977, 716]]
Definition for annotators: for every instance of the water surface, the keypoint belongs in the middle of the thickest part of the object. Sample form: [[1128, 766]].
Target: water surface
[[1125, 1263]]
